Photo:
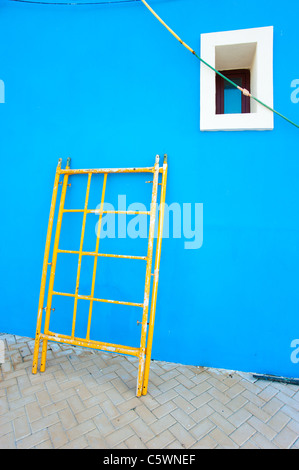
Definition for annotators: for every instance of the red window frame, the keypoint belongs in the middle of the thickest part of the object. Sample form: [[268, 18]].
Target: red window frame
[[244, 74]]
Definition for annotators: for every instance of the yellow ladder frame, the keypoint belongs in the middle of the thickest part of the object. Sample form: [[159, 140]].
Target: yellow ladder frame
[[144, 351]]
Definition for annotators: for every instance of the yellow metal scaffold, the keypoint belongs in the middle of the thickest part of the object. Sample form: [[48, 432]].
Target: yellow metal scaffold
[[143, 353]]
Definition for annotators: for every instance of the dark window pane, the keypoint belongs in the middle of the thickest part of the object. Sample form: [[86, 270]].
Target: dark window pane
[[229, 100], [232, 98]]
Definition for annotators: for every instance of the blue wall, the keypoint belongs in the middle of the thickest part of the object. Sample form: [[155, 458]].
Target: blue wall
[[108, 86]]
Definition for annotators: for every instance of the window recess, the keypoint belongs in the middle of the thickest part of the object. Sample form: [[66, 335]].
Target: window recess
[[246, 58]]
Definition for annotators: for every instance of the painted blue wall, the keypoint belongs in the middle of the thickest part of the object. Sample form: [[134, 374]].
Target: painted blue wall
[[108, 86]]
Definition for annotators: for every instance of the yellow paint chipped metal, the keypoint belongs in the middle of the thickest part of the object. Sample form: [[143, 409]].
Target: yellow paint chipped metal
[[143, 353]]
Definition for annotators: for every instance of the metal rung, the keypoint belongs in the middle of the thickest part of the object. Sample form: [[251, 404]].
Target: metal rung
[[103, 255], [96, 171], [91, 344], [88, 297]]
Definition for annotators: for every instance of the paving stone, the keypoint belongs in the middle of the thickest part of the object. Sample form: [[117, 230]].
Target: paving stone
[[294, 426], [175, 445], [239, 417], [163, 423], [222, 439], [88, 413], [75, 404], [124, 419], [201, 429], [205, 443], [134, 442], [57, 435], [44, 445], [201, 413], [44, 423], [268, 393], [222, 423], [21, 427], [273, 405], [164, 397], [119, 436], [183, 404], [161, 441], [67, 418], [8, 441], [43, 398], [184, 437], [103, 424], [142, 430], [220, 408], [164, 409], [80, 429], [262, 442], [86, 399], [263, 428], [145, 414], [94, 440], [286, 438], [55, 407], [203, 399], [79, 443], [33, 440], [242, 434], [295, 445], [34, 411], [279, 421], [6, 428], [184, 419]]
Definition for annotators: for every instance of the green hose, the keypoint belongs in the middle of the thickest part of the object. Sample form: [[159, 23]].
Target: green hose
[[250, 95]]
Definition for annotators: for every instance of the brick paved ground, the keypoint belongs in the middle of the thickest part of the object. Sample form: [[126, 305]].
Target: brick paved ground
[[86, 399]]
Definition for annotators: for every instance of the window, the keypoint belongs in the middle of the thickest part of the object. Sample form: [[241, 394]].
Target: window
[[246, 57], [229, 100]]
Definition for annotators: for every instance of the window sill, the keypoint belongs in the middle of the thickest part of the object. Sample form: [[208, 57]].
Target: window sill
[[261, 121]]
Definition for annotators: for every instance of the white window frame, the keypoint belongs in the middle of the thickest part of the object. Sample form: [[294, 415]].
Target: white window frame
[[260, 118]]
